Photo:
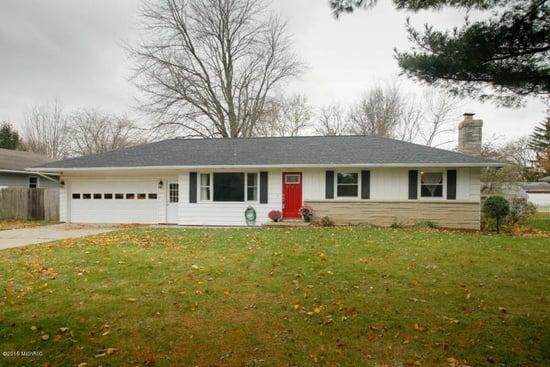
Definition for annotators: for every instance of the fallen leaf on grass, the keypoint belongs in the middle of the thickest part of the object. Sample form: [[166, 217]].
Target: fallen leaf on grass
[[105, 352], [45, 337], [132, 299]]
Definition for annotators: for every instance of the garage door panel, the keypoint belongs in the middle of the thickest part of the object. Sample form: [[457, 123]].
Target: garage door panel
[[129, 209]]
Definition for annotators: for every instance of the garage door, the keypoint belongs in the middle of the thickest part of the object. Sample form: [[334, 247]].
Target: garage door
[[108, 201]]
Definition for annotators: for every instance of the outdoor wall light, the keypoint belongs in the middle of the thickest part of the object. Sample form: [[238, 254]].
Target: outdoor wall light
[[160, 184]]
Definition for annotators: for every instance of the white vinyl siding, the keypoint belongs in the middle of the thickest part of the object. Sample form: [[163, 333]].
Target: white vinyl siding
[[392, 184], [386, 184], [228, 213]]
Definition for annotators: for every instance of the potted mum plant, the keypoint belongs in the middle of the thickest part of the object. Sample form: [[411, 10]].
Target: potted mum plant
[[275, 215], [307, 213]]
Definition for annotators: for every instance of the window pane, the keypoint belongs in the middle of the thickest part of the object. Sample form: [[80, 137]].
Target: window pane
[[97, 196], [119, 196], [252, 179], [152, 196], [86, 196], [348, 178], [347, 190], [141, 196], [76, 196], [228, 186], [292, 179], [205, 193], [173, 192], [33, 182], [252, 194], [431, 184], [431, 190], [130, 196], [431, 178], [107, 196], [205, 179]]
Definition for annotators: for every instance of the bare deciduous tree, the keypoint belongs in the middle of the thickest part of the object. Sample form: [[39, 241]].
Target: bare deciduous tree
[[332, 120], [378, 112], [93, 131], [386, 111], [440, 116], [45, 130], [285, 117], [209, 66]]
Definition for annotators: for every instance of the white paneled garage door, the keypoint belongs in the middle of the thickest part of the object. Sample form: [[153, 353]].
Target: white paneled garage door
[[114, 201]]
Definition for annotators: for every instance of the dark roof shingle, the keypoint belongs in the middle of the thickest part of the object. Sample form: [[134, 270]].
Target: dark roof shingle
[[16, 160], [311, 150]]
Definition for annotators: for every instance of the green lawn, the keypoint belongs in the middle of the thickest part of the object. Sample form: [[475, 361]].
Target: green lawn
[[539, 221], [326, 296]]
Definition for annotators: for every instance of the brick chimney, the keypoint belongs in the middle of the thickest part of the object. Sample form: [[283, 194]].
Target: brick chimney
[[469, 135]]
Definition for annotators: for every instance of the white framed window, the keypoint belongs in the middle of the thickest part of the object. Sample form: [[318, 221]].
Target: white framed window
[[173, 193], [347, 184], [33, 182], [431, 184], [292, 179], [228, 186], [204, 187], [252, 186]]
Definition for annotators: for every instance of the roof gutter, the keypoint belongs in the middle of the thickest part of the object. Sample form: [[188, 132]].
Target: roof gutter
[[327, 165], [27, 171]]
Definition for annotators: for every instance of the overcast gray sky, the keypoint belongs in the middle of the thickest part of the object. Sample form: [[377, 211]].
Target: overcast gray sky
[[71, 49]]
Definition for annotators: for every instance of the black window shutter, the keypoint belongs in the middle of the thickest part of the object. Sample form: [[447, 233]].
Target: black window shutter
[[192, 187], [329, 185], [365, 184], [413, 184], [451, 184], [263, 187]]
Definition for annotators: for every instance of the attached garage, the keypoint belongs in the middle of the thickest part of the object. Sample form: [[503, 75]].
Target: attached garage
[[114, 201]]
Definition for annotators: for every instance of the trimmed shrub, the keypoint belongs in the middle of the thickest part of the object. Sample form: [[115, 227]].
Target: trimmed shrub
[[425, 224], [496, 207], [520, 210], [326, 222]]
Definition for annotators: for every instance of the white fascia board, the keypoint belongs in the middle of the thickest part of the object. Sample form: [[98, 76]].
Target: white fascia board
[[28, 171], [366, 165]]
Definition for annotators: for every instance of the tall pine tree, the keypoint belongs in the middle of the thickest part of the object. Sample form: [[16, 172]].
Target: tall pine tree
[[540, 143], [9, 137], [503, 57]]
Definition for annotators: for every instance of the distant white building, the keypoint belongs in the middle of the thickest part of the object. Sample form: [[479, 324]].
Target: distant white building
[[538, 193]]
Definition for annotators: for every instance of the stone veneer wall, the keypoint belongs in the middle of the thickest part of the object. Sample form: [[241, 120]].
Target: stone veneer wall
[[449, 214]]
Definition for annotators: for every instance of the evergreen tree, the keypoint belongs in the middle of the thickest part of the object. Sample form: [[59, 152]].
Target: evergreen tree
[[9, 137], [540, 138], [540, 143], [508, 51]]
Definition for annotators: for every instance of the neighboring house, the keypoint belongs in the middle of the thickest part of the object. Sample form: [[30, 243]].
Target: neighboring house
[[538, 193], [351, 179], [13, 173]]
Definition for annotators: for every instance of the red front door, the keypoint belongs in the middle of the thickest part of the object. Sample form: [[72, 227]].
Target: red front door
[[292, 194]]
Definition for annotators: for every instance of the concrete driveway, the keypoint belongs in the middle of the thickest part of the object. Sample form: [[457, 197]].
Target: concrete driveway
[[30, 236]]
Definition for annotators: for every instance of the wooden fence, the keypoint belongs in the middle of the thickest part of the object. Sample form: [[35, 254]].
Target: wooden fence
[[29, 204]]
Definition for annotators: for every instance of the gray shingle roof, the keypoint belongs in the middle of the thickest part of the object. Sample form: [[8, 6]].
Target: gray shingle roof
[[16, 160], [311, 150]]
